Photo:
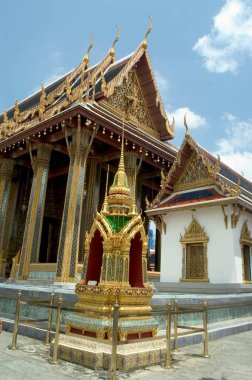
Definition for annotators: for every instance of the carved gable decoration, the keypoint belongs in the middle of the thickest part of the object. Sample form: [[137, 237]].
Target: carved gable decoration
[[194, 233], [128, 98], [194, 175]]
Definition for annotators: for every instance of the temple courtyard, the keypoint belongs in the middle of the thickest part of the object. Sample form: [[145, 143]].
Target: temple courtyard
[[230, 360]]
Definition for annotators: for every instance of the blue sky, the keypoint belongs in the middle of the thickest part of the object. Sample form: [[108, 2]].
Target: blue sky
[[201, 53]]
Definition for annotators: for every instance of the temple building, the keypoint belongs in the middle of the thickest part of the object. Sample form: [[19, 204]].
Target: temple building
[[204, 210], [55, 147]]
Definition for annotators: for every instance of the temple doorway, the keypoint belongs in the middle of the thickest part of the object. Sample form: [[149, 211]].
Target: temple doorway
[[49, 240], [247, 263]]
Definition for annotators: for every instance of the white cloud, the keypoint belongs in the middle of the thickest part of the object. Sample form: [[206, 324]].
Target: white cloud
[[162, 82], [193, 120], [57, 71], [230, 39], [235, 149]]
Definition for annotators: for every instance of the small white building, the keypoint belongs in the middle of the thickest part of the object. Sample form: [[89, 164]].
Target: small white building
[[204, 213]]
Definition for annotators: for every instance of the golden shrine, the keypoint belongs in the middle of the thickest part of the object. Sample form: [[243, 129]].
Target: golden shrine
[[115, 269]]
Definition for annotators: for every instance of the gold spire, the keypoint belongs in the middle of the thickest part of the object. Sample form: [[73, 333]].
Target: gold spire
[[144, 43], [112, 50], [119, 199], [86, 57], [105, 203], [121, 163]]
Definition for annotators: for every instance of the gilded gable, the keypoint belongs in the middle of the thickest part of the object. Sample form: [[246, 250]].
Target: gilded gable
[[128, 99], [194, 175], [194, 233]]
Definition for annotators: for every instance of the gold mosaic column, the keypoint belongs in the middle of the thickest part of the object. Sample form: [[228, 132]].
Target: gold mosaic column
[[35, 213], [89, 205], [68, 251], [6, 171]]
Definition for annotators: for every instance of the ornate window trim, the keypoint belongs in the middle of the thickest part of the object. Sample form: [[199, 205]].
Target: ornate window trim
[[245, 239], [195, 233]]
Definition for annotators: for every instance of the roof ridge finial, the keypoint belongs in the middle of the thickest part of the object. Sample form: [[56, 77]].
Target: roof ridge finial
[[16, 112], [112, 50], [121, 163], [103, 82], [86, 57], [5, 117], [187, 134], [144, 43]]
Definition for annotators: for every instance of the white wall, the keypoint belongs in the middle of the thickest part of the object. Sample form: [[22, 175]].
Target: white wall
[[223, 249]]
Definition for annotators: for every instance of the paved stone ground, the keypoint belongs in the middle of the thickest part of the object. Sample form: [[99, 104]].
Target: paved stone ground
[[231, 359]]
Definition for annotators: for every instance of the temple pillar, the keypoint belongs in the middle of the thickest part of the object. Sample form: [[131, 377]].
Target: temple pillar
[[90, 203], [34, 219], [6, 171], [68, 251]]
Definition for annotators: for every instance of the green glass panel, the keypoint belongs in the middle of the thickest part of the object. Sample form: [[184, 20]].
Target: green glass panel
[[117, 222]]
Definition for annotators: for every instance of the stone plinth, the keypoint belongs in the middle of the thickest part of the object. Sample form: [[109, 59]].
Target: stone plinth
[[97, 355]]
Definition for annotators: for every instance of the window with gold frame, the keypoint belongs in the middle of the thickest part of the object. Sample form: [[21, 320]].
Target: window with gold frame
[[246, 253], [194, 260]]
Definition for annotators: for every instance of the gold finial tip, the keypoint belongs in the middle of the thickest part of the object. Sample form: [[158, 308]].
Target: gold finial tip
[[144, 44], [112, 52], [86, 59]]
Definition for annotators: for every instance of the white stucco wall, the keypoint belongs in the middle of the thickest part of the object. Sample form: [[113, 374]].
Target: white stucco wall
[[223, 249]]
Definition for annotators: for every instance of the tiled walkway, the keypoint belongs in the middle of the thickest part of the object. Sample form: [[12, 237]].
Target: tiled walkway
[[231, 359]]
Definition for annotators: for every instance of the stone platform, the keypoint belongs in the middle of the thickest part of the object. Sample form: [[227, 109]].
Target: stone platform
[[237, 305]]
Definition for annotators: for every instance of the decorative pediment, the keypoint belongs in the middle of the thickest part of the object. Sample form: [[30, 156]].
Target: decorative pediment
[[128, 99], [245, 234], [194, 233], [195, 175]]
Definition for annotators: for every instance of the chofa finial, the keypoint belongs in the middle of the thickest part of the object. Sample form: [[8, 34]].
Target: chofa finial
[[112, 50], [86, 57], [186, 126], [144, 43], [16, 112]]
